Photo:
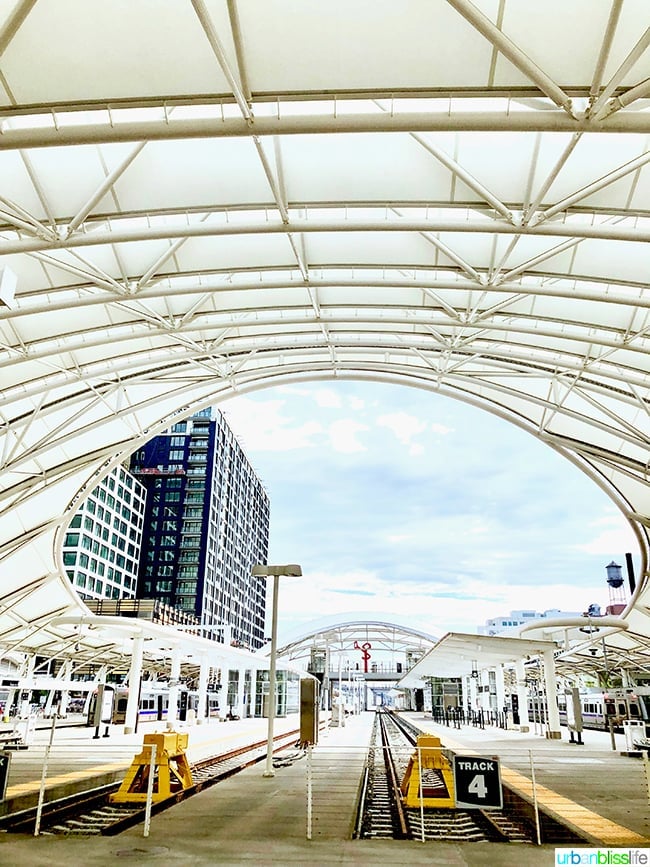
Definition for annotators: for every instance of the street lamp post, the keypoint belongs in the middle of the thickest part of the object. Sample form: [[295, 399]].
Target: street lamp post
[[261, 570]]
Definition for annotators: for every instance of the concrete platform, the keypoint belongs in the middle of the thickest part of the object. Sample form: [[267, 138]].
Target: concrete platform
[[250, 819], [78, 761], [597, 791]]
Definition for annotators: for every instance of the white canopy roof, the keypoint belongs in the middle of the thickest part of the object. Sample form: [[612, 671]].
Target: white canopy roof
[[457, 654], [204, 197], [345, 634]]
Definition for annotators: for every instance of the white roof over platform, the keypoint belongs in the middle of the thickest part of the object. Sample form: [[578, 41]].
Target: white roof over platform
[[344, 635], [458, 654], [202, 198]]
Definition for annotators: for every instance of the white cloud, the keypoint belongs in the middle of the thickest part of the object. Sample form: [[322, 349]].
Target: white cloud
[[486, 522], [615, 536], [343, 435], [263, 426], [426, 606], [327, 398], [403, 425]]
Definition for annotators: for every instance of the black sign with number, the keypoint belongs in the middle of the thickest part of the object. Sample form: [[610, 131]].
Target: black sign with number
[[477, 782], [5, 761]]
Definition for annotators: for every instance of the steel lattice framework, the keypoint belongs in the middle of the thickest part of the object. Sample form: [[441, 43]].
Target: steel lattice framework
[[344, 634], [205, 197]]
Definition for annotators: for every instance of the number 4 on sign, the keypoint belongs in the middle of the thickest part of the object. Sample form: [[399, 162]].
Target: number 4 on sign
[[477, 786], [477, 783]]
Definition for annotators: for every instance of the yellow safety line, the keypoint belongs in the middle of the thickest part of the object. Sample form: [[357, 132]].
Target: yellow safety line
[[96, 770], [597, 827], [26, 788]]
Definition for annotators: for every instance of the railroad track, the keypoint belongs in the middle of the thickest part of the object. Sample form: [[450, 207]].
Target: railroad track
[[90, 813], [382, 814]]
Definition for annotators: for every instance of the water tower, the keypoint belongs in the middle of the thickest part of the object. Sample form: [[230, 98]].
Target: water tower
[[617, 599]]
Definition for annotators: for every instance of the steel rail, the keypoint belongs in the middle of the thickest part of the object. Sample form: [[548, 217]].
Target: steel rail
[[400, 820]]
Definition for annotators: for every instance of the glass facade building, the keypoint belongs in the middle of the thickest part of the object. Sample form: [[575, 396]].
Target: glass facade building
[[206, 524], [101, 548]]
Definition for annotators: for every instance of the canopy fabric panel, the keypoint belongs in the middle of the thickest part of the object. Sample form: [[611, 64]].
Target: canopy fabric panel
[[204, 197]]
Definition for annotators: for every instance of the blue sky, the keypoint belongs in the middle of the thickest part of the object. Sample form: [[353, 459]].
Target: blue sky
[[405, 503]]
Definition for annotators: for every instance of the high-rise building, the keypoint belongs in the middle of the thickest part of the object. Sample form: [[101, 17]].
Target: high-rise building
[[101, 548], [206, 524]]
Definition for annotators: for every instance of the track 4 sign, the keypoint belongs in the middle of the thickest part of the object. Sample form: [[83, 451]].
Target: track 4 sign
[[477, 782]]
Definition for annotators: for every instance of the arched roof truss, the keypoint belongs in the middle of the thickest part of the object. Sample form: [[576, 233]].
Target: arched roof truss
[[203, 198], [348, 635]]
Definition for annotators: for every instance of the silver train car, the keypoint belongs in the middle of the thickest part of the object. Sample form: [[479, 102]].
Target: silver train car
[[153, 703], [599, 708]]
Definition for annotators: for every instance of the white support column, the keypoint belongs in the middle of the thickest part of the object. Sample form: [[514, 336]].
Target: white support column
[[464, 698], [473, 693], [239, 707], [349, 665], [201, 711], [174, 675], [49, 701], [554, 731], [501, 688], [135, 674], [24, 704], [249, 697], [522, 696], [484, 695], [326, 680], [65, 674], [220, 673]]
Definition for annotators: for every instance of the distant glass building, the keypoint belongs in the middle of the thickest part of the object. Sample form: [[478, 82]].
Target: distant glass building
[[206, 524], [101, 548]]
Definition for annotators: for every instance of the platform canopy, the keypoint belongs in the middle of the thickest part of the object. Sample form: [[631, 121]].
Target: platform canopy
[[204, 197], [349, 635], [92, 640], [596, 644], [458, 654]]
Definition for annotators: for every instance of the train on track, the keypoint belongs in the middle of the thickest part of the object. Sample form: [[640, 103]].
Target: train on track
[[153, 703], [599, 707]]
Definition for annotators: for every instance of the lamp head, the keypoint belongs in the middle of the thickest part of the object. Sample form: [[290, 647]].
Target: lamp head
[[261, 570]]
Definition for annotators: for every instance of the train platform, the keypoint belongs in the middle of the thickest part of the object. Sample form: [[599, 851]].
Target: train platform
[[252, 819], [78, 760], [595, 788]]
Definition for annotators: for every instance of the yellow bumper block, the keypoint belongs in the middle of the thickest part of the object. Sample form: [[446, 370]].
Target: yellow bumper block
[[171, 770]]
